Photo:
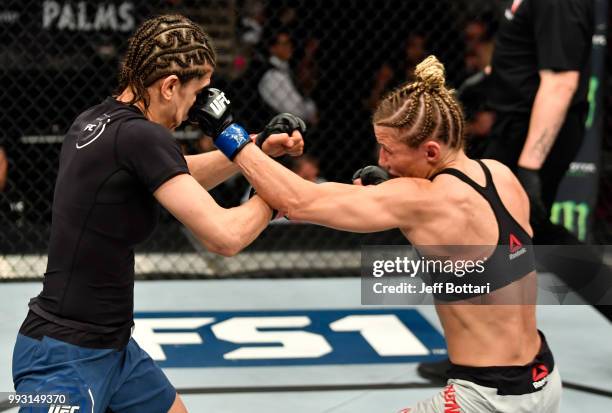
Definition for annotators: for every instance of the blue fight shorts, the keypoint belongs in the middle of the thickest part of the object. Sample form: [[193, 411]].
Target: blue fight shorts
[[95, 380]]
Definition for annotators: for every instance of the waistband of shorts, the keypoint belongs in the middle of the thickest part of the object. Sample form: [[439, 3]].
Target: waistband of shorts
[[510, 380], [40, 323], [77, 325]]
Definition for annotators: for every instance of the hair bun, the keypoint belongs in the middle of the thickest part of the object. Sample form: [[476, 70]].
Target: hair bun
[[430, 73]]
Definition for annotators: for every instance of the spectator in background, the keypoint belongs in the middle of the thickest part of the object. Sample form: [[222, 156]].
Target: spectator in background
[[277, 88], [252, 23], [479, 28], [249, 32], [287, 17], [479, 117], [478, 36], [308, 68], [390, 74], [3, 168]]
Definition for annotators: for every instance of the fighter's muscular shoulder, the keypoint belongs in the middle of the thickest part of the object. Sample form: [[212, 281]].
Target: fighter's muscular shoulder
[[442, 208], [414, 201], [465, 215]]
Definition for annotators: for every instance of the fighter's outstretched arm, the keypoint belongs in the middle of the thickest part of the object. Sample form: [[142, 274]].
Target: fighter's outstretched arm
[[397, 203], [212, 168]]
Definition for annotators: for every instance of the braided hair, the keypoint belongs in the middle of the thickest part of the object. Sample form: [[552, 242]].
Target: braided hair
[[162, 46], [424, 108]]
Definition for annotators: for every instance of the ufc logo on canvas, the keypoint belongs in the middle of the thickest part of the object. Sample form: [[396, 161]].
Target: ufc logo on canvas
[[63, 409]]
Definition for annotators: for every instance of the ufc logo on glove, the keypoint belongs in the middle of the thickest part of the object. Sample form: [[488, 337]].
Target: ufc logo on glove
[[219, 105]]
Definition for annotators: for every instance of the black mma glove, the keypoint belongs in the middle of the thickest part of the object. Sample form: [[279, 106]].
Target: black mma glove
[[281, 123], [530, 180], [212, 112], [371, 175]]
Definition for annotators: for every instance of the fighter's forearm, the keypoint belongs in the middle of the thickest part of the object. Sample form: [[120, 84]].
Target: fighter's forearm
[[247, 221], [210, 168], [279, 186], [283, 189], [547, 116]]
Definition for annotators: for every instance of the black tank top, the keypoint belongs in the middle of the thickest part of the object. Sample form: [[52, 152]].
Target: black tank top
[[513, 258]]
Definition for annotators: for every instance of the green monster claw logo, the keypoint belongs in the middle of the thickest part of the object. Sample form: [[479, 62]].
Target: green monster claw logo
[[573, 216], [593, 86]]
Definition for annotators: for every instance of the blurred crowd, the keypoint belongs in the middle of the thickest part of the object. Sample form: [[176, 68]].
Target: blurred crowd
[[278, 59], [330, 66]]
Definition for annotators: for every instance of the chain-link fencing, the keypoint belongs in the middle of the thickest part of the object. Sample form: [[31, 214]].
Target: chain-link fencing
[[59, 57]]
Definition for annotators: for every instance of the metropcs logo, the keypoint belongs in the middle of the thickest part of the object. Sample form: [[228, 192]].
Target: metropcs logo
[[516, 247], [63, 409], [258, 338]]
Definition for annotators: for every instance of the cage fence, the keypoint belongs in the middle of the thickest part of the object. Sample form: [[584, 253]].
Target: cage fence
[[59, 57]]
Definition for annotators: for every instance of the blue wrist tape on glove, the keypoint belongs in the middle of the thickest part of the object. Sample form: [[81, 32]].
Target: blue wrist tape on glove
[[231, 140]]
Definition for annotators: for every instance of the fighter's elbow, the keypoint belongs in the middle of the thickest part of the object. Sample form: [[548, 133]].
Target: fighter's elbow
[[225, 248], [225, 242], [292, 206], [228, 251]]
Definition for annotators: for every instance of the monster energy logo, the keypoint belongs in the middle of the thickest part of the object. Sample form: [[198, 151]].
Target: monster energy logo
[[593, 86], [572, 215]]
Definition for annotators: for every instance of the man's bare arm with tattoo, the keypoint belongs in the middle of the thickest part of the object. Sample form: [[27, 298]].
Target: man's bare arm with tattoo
[[547, 115]]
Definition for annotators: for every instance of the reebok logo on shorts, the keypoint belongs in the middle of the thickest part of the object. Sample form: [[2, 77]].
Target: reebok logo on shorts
[[539, 375]]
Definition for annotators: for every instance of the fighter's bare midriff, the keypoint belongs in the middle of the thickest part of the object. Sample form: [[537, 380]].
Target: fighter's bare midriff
[[490, 335], [476, 334]]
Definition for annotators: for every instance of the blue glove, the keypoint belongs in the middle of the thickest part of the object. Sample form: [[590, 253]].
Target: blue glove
[[212, 112]]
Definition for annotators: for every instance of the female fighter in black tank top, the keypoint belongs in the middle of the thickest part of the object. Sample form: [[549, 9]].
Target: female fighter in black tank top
[[513, 257]]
